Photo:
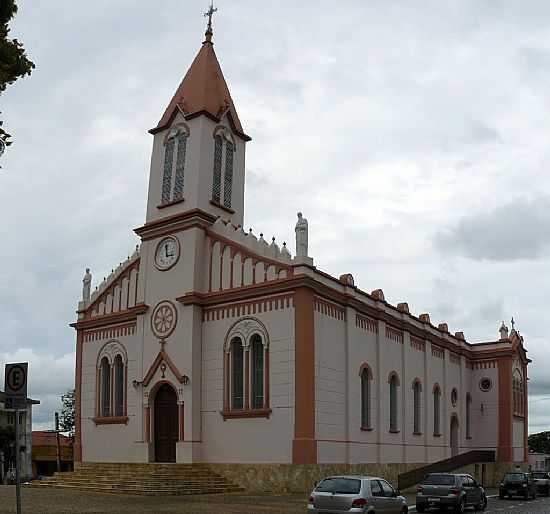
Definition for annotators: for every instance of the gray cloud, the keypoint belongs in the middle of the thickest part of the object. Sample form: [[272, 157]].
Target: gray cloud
[[519, 229]]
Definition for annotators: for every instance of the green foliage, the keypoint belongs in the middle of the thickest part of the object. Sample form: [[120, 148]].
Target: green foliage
[[66, 419], [539, 443], [14, 63]]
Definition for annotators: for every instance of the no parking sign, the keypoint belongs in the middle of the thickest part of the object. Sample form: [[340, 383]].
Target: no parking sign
[[15, 385]]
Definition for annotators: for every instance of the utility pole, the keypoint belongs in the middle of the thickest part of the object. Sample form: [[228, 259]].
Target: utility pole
[[57, 444]]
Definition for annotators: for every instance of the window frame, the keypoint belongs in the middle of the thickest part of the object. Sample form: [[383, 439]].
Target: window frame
[[223, 167], [394, 384], [173, 167], [365, 381], [417, 406], [436, 410]]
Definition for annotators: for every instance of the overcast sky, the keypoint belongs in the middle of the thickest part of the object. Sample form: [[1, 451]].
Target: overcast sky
[[414, 136]]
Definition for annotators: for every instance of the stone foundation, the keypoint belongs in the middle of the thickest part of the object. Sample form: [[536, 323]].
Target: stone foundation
[[294, 478]]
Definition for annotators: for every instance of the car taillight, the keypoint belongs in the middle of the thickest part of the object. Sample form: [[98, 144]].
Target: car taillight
[[419, 489], [455, 491], [311, 500], [360, 502]]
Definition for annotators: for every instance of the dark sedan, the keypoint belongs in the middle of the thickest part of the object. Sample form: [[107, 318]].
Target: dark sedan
[[441, 490], [517, 483]]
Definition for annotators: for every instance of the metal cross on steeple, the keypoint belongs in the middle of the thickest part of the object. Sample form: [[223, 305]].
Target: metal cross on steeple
[[208, 14], [513, 323]]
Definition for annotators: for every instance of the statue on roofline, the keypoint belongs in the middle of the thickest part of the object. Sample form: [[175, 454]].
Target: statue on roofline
[[301, 236]]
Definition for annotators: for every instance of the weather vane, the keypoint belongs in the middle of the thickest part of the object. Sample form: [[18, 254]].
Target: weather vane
[[208, 14]]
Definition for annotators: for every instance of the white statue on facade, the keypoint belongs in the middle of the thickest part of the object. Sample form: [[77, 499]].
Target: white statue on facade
[[301, 236], [86, 285]]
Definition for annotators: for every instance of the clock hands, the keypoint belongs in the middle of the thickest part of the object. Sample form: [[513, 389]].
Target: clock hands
[[166, 252]]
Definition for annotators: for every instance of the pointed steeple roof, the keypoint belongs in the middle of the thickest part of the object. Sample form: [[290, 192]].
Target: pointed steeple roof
[[203, 90]]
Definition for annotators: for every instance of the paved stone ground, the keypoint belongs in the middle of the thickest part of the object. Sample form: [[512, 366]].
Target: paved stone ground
[[58, 501], [538, 506]]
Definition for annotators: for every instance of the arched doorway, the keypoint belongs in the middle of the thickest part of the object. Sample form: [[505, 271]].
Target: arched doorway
[[454, 435], [166, 424]]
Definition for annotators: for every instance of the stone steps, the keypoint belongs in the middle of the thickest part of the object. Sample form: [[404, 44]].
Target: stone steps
[[142, 479]]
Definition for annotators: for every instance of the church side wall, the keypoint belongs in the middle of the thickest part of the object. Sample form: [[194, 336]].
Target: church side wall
[[485, 409], [517, 440], [330, 383], [249, 440]]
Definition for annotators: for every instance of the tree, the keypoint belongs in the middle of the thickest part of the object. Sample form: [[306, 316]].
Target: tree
[[539, 443], [14, 63], [66, 419]]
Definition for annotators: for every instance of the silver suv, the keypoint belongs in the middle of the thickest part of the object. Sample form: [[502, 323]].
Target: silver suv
[[542, 481], [347, 494]]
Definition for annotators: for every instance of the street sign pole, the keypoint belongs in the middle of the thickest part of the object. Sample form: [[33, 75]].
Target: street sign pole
[[17, 464], [15, 387]]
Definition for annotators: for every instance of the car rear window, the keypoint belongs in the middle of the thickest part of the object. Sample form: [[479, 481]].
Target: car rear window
[[514, 477], [439, 480], [540, 475], [339, 486]]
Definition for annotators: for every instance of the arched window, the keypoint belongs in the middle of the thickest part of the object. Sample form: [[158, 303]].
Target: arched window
[[468, 415], [173, 182], [437, 410], [237, 374], [257, 372], [246, 370], [119, 386], [518, 393], [111, 384], [394, 384], [105, 388], [366, 377], [224, 151], [417, 399]]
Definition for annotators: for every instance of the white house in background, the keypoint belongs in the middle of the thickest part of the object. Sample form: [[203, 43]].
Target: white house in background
[[7, 419], [212, 344]]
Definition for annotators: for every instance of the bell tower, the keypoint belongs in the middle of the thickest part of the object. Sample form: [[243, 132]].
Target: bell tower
[[198, 157]]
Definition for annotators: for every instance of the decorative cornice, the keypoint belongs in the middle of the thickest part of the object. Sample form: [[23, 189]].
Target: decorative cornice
[[346, 300], [180, 221], [111, 319]]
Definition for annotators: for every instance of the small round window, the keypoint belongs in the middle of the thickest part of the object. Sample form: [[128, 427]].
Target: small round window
[[454, 397], [485, 384]]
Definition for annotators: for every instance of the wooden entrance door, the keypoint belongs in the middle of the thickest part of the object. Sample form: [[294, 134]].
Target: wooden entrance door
[[166, 424]]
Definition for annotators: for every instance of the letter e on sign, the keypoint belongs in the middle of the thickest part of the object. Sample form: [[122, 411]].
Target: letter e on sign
[[16, 380]]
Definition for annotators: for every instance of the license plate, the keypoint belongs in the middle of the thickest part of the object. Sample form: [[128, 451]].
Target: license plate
[[512, 491], [434, 500]]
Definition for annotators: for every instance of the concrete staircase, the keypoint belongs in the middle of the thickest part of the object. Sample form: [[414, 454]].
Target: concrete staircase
[[141, 479]]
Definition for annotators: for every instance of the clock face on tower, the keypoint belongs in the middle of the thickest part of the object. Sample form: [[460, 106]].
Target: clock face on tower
[[167, 253]]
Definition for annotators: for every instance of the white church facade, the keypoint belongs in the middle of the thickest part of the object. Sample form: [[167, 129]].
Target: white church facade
[[210, 344]]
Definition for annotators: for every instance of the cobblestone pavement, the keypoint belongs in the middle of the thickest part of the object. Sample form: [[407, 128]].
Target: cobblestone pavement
[[59, 501], [516, 506]]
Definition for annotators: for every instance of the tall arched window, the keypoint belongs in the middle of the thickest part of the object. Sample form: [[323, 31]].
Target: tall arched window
[[518, 393], [119, 386], [224, 151], [173, 181], [437, 410], [468, 415], [237, 374], [366, 377], [394, 384], [246, 370], [111, 384], [257, 372], [417, 399], [105, 389]]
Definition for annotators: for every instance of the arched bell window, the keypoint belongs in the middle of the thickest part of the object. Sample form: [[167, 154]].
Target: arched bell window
[[175, 148], [224, 152]]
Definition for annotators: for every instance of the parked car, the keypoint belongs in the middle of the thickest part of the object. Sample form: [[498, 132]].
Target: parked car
[[542, 482], [347, 494], [517, 483], [443, 490]]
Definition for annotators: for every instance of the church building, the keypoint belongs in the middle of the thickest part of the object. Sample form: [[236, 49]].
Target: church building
[[212, 345]]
